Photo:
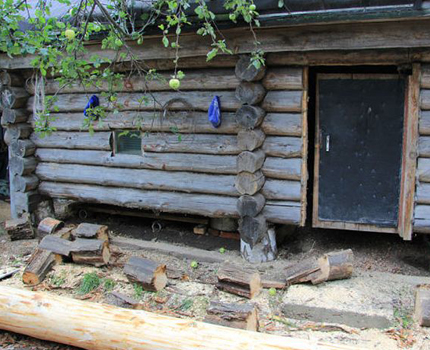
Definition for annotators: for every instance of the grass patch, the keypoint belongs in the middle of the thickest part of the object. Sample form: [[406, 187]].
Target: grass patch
[[138, 290], [108, 284], [90, 282], [58, 281], [186, 304]]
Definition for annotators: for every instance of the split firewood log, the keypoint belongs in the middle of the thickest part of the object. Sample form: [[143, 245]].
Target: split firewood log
[[335, 266], [91, 231], [304, 271], [57, 245], [20, 228], [48, 226], [422, 305], [151, 275], [90, 251], [40, 263], [239, 281], [242, 316]]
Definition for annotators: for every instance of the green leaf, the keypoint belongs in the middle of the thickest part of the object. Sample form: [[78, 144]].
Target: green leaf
[[211, 54], [165, 41]]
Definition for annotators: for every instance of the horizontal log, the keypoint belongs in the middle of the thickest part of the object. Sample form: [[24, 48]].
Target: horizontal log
[[86, 230], [424, 147], [424, 123], [25, 183], [242, 316], [200, 163], [8, 79], [146, 273], [285, 78], [197, 204], [283, 101], [282, 190], [197, 143], [284, 147], [423, 193], [14, 97], [22, 166], [422, 219], [22, 148], [423, 169], [280, 168], [425, 77], [282, 124], [74, 140], [138, 178], [90, 252], [282, 212], [14, 116], [425, 99]]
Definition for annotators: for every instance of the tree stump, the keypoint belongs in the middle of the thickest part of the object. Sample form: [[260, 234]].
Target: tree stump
[[147, 273], [246, 71], [239, 281], [40, 263], [242, 316], [20, 228], [90, 251]]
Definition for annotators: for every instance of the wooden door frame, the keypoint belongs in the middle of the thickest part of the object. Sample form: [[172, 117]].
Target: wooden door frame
[[408, 160]]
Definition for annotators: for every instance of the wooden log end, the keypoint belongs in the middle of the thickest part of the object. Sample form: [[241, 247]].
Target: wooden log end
[[40, 263], [422, 305], [242, 316], [48, 226], [151, 275], [246, 71]]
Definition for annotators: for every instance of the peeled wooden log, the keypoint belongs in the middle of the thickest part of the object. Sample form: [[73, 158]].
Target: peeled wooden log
[[252, 229], [25, 183], [40, 263], [239, 281], [59, 246], [285, 124], [250, 93], [250, 205], [151, 275], [283, 101], [48, 226], [280, 168], [248, 183], [22, 148], [422, 305], [250, 161], [283, 212], [20, 228], [246, 71], [74, 140], [37, 315], [22, 166], [282, 190], [90, 251], [335, 266], [94, 231], [14, 97], [285, 78], [13, 116], [242, 316], [265, 250], [283, 146], [249, 117], [249, 140]]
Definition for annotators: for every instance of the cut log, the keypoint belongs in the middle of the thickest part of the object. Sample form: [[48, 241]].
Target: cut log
[[282, 190], [14, 97], [283, 146], [57, 245], [200, 229], [20, 228], [280, 168], [246, 71], [250, 205], [335, 266], [22, 148], [74, 140], [250, 161], [285, 78], [22, 166], [48, 226], [301, 272], [40, 263], [239, 281], [151, 275], [17, 131], [249, 117], [282, 124], [90, 251], [8, 79], [248, 183], [25, 183], [250, 93], [283, 101], [264, 251], [283, 212], [422, 305], [122, 300], [92, 231], [242, 316], [13, 116], [252, 229], [37, 315], [26, 202], [249, 140]]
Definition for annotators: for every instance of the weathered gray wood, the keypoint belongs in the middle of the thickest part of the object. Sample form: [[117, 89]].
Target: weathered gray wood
[[40, 263], [246, 71], [14, 97], [250, 93], [424, 123], [303, 271], [17, 131], [250, 161], [423, 193], [264, 251], [200, 163], [249, 140], [122, 300], [250, 205], [198, 204], [282, 189], [422, 305], [423, 169], [198, 143], [48, 226], [283, 101], [283, 146], [242, 316], [26, 202], [239, 280], [22, 148], [20, 228], [198, 100], [248, 183], [22, 166], [25, 183], [282, 212], [138, 178], [56, 245], [13, 116], [285, 124], [86, 230], [249, 117], [425, 100], [335, 266], [90, 251], [252, 229], [425, 77], [8, 79], [74, 140], [147, 273], [285, 78], [422, 219], [280, 168]]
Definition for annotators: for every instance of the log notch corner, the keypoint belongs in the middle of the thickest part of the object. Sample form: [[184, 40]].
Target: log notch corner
[[257, 240], [22, 163]]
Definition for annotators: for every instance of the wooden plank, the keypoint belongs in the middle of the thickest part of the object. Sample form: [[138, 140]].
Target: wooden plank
[[282, 190], [200, 163], [282, 212], [424, 147], [74, 140], [138, 178], [283, 101], [197, 204], [304, 176], [282, 124], [285, 147], [279, 168], [285, 78], [422, 219]]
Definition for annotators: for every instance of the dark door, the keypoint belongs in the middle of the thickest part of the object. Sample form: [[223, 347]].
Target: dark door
[[358, 150]]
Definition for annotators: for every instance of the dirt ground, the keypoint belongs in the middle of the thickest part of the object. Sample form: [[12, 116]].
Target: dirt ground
[[190, 290]]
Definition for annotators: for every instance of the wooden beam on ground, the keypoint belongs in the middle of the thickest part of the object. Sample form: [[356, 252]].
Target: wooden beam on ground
[[37, 315]]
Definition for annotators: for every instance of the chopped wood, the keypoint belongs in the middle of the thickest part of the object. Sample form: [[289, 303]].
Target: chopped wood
[[25, 183], [20, 228], [151, 275], [268, 282], [22, 148], [200, 229], [57, 245], [239, 281], [41, 262], [13, 116], [422, 305], [301, 272], [22, 166], [48, 226], [214, 232], [248, 183], [250, 140], [122, 300], [90, 251], [246, 71], [86, 230], [249, 117], [65, 232], [250, 161], [242, 316], [335, 266], [230, 235], [250, 93], [250, 205], [252, 229]]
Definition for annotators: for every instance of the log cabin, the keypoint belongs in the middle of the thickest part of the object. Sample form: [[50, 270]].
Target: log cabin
[[333, 132]]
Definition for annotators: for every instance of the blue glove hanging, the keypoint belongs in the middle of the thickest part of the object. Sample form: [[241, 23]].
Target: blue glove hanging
[[214, 113], [92, 103]]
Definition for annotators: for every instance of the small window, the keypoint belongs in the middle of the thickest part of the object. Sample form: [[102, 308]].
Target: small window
[[128, 142]]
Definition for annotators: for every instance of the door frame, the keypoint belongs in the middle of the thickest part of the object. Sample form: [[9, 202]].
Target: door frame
[[408, 158]]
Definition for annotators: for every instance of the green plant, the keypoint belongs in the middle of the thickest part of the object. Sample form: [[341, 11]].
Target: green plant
[[186, 304], [194, 264], [138, 290], [108, 284], [57, 281], [90, 282], [403, 318]]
